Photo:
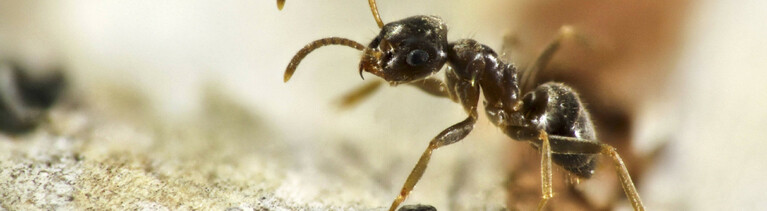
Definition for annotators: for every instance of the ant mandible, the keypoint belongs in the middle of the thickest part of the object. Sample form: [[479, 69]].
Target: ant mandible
[[550, 116]]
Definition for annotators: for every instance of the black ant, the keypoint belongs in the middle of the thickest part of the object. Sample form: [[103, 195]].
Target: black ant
[[549, 116], [24, 98]]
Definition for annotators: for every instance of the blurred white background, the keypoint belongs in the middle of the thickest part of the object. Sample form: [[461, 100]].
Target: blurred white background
[[170, 49], [717, 161]]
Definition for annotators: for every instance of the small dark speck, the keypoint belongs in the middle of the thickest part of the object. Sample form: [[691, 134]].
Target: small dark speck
[[417, 207], [78, 157], [234, 209]]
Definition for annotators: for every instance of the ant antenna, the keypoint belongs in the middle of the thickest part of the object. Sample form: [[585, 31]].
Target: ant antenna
[[374, 9], [313, 46]]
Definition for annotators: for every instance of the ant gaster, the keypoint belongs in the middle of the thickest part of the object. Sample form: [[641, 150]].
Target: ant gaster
[[549, 116]]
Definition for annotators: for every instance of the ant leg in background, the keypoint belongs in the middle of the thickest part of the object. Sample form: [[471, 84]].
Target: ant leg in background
[[529, 76], [359, 94], [510, 42], [431, 86]]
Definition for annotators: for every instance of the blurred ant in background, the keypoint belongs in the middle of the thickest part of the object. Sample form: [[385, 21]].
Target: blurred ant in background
[[550, 116], [24, 97]]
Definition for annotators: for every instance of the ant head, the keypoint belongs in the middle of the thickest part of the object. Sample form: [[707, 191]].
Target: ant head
[[407, 50]]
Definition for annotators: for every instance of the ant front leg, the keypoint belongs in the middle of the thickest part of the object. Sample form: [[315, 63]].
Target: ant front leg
[[467, 93]]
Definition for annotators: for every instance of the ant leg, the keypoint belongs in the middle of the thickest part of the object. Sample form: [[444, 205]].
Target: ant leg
[[543, 59], [547, 191], [431, 86], [448, 136], [623, 175], [467, 92], [570, 145], [359, 94], [528, 78], [510, 42]]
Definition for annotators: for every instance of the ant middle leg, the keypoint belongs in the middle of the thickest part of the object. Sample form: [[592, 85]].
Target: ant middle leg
[[468, 95], [448, 136]]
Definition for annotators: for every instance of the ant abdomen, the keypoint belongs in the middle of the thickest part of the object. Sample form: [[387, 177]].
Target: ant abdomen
[[557, 109]]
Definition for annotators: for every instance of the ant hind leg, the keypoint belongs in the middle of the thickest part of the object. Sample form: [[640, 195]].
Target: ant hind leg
[[623, 175], [570, 145], [547, 191]]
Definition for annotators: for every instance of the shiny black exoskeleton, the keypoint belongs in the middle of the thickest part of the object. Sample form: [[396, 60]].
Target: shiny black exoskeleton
[[550, 116], [415, 48]]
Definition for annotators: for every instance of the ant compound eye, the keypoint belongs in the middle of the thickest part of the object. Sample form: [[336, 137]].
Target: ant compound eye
[[417, 57]]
